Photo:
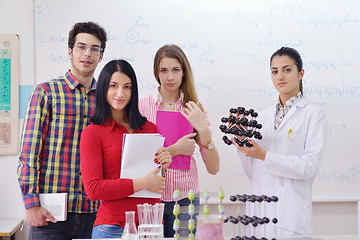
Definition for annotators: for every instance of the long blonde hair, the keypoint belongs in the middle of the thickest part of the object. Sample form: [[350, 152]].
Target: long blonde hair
[[187, 86]]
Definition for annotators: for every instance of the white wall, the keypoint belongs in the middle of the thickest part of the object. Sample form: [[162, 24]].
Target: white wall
[[16, 16]]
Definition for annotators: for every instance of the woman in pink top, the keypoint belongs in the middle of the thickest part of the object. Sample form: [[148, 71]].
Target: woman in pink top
[[177, 93], [116, 113]]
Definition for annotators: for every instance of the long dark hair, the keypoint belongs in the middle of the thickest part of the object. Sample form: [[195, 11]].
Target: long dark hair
[[293, 54], [102, 109]]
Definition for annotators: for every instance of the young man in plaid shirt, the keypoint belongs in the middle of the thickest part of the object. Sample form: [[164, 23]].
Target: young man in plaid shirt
[[49, 160]]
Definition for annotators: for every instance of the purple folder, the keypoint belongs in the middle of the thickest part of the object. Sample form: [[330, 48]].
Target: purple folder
[[173, 126]]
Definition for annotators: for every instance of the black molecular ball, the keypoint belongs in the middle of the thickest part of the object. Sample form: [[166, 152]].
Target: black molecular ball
[[240, 124], [226, 140], [234, 220], [223, 128], [245, 221], [224, 119], [258, 199], [232, 119], [274, 220], [242, 198], [233, 110], [266, 220], [241, 110], [254, 114], [274, 198]]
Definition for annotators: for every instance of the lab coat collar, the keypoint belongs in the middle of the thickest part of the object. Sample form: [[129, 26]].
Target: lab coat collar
[[299, 104]]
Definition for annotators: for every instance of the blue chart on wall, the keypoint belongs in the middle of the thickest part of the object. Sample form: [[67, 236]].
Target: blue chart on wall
[[229, 45]]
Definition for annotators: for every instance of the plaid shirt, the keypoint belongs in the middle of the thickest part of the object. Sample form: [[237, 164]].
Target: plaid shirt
[[49, 160]]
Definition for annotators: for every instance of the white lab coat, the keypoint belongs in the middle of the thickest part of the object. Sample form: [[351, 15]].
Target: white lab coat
[[293, 157]]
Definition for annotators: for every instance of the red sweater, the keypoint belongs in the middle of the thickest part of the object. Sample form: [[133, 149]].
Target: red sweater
[[100, 161]]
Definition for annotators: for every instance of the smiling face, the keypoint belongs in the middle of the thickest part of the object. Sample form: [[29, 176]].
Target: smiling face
[[285, 76], [83, 64], [170, 75], [119, 93]]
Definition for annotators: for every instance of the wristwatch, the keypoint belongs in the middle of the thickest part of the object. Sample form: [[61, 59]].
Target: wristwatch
[[210, 145]]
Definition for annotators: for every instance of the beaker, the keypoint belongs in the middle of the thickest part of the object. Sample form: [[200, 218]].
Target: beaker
[[210, 227]]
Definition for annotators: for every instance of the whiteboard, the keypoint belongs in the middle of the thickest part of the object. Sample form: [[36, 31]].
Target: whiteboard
[[229, 44]]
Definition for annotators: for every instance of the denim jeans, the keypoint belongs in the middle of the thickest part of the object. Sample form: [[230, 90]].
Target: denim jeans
[[107, 231], [183, 216], [77, 225]]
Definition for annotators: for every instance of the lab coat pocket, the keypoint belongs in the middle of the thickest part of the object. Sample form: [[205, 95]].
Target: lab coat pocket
[[291, 211], [295, 143]]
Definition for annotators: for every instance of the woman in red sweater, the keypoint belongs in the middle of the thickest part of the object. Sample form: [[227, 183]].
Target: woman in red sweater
[[116, 113]]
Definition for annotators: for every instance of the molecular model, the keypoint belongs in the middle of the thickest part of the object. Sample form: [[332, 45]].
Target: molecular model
[[176, 212], [241, 125], [192, 212], [251, 223], [220, 206]]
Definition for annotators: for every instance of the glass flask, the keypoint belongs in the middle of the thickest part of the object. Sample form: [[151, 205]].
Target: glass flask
[[130, 231]]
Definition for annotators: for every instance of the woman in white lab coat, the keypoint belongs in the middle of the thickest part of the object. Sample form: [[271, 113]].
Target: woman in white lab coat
[[285, 162]]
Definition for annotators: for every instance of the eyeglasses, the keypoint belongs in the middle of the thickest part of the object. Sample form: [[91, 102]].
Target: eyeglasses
[[82, 48]]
